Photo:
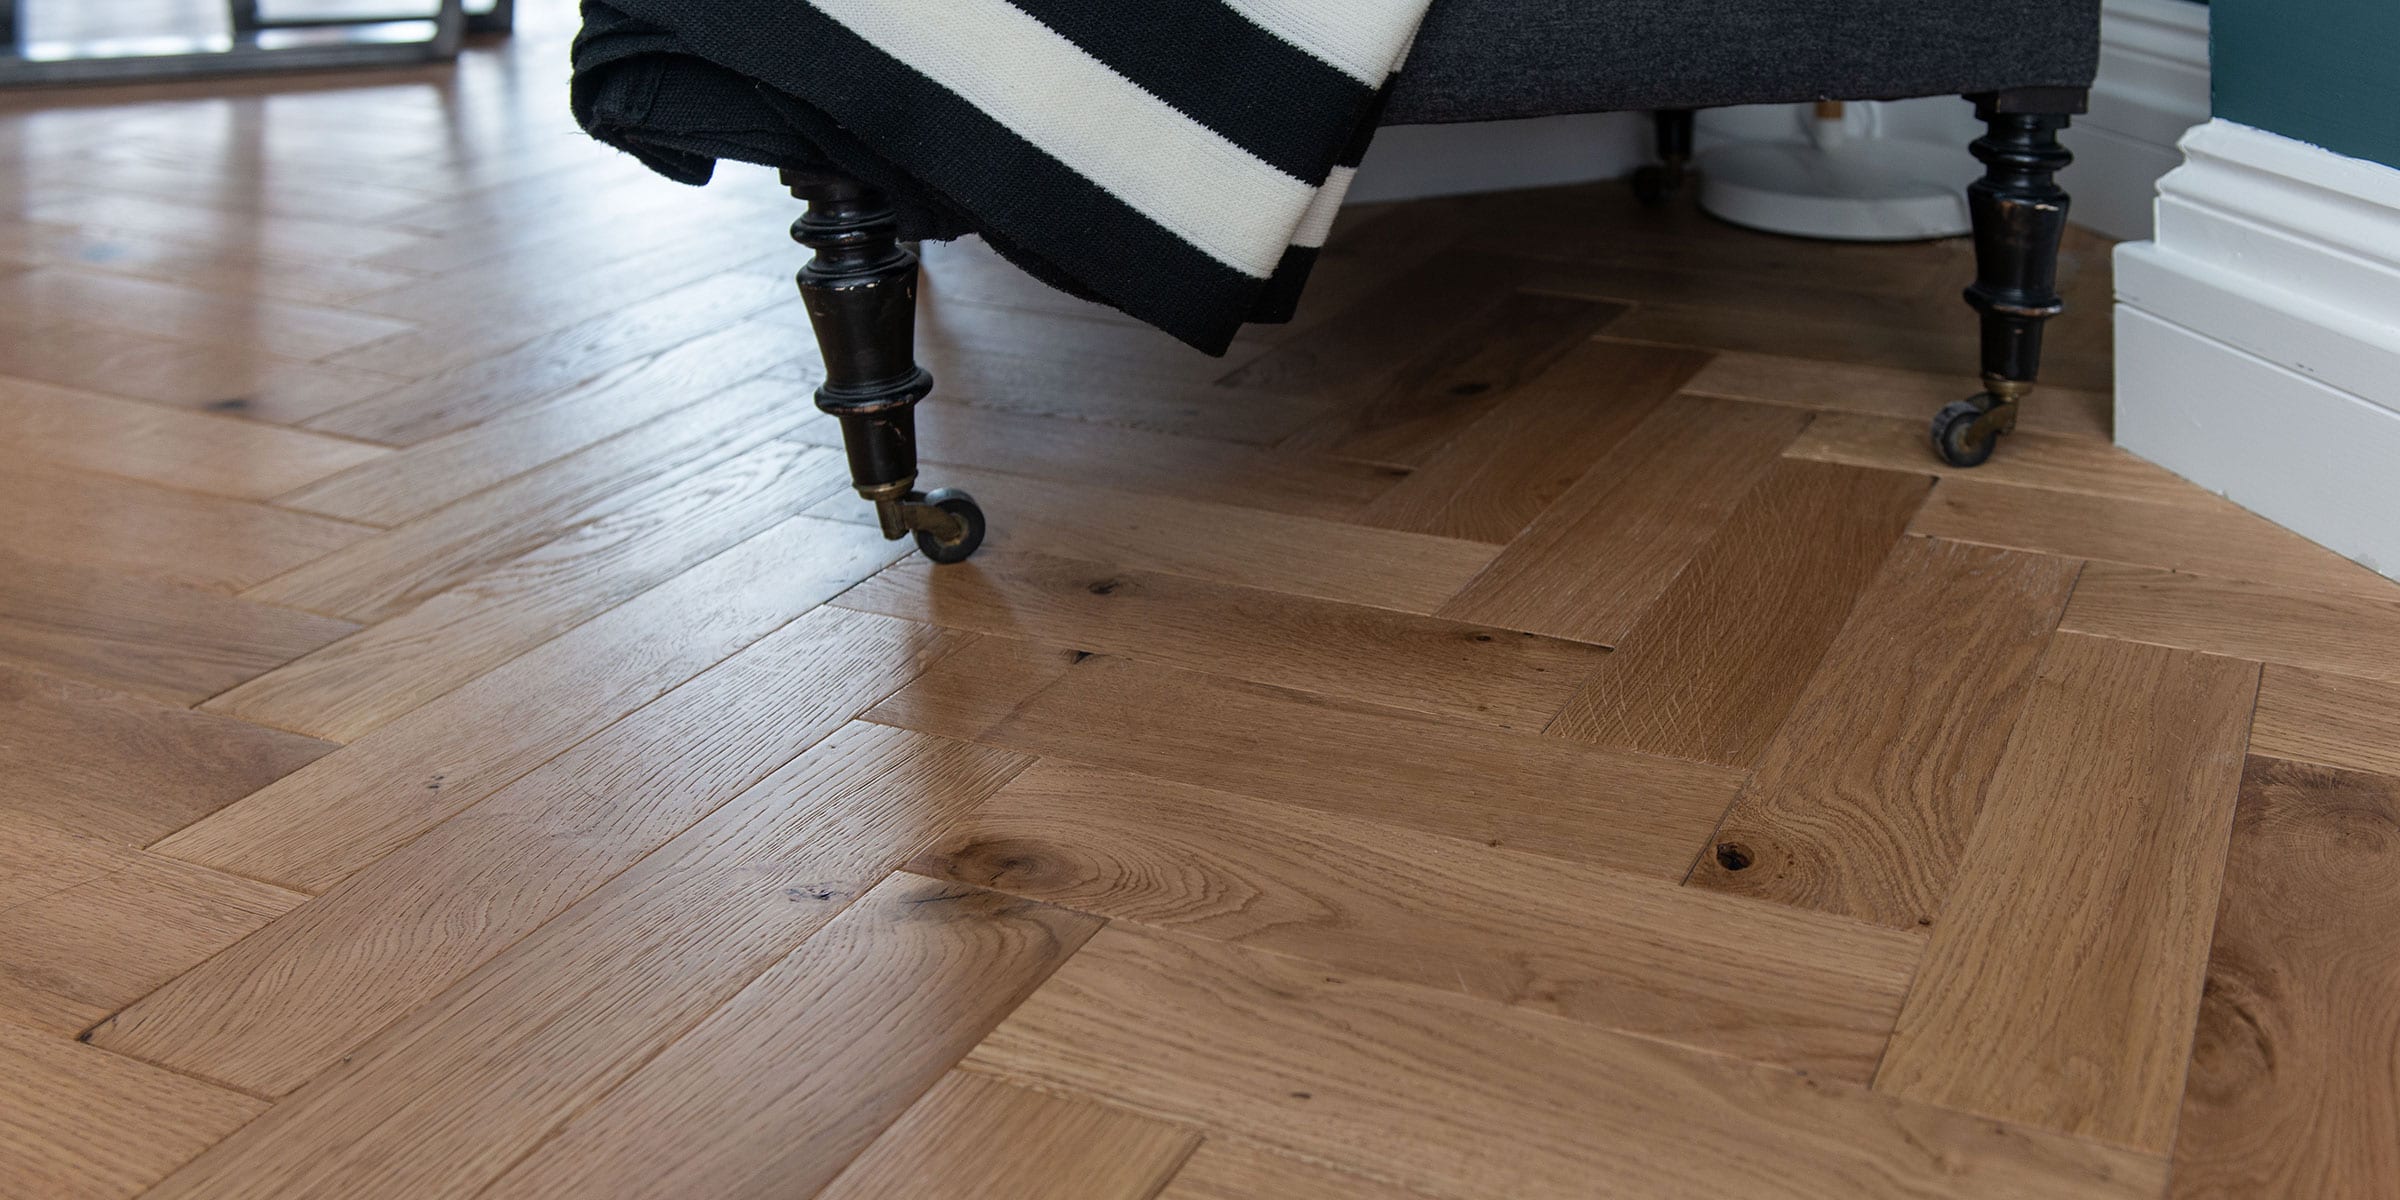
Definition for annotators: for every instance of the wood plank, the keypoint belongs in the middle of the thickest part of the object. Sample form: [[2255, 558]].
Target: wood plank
[[1222, 1169], [2292, 1089], [1469, 673], [297, 331], [2336, 720], [326, 820], [1463, 1098], [975, 1138], [128, 770], [226, 270], [774, 1092], [1244, 546], [2321, 631], [1597, 558], [1403, 329], [1715, 665], [120, 525], [461, 1090], [1885, 392], [114, 924], [226, 377], [398, 569], [2026, 459], [656, 392], [347, 689], [173, 447], [1442, 391], [1863, 800], [490, 386], [1534, 793], [82, 1124], [1755, 981], [178, 217], [1499, 473], [1928, 335], [150, 637], [2203, 537], [2064, 974], [273, 1012]]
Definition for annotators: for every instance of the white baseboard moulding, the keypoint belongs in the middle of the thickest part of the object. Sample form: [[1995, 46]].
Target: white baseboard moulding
[[2153, 85], [2258, 337]]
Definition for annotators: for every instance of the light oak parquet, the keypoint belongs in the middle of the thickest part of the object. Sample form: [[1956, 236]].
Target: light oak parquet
[[1883, 392], [176, 448], [92, 521], [2063, 976], [2321, 631], [1863, 800], [2068, 464], [1223, 1169], [2336, 720], [975, 1138], [82, 1124]]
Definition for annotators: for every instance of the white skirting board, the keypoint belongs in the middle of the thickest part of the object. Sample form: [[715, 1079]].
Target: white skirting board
[[2258, 338], [2153, 85]]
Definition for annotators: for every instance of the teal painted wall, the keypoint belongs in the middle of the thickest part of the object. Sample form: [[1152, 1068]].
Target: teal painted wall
[[2323, 71]]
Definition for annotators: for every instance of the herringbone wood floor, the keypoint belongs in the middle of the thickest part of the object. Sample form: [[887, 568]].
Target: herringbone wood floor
[[1540, 725]]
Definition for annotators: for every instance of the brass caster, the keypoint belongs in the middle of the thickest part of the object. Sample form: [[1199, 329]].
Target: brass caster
[[946, 522], [1966, 432]]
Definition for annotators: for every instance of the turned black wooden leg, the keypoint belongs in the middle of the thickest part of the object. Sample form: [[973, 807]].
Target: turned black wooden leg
[[1656, 184], [860, 288], [2020, 216]]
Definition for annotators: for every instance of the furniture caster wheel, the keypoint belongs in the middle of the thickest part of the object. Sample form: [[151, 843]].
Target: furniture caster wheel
[[1654, 185], [962, 507], [1955, 435]]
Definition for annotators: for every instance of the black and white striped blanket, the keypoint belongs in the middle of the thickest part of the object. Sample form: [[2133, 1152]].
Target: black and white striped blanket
[[1179, 159]]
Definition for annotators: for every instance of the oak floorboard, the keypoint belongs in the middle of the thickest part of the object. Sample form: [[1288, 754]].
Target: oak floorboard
[[1760, 982], [1540, 794], [2064, 973], [406, 484], [1246, 547], [2294, 1085], [347, 689], [1927, 335], [2335, 720], [1463, 1098], [460, 1091], [124, 769], [149, 637], [102, 923], [1714, 666], [178, 217], [1530, 447], [1864, 798], [1470, 673], [1408, 329], [226, 377], [1224, 1169], [973, 1137], [226, 270], [1885, 392], [287, 1003], [297, 331], [2029, 459], [172, 447], [2196, 537], [541, 369], [82, 1124], [776, 1091], [119, 525], [399, 568], [319, 824], [2321, 631], [1599, 556]]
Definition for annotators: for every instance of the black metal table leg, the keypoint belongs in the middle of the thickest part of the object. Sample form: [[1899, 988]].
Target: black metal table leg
[[860, 289]]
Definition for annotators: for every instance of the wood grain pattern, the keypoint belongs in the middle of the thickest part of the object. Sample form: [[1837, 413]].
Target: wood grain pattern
[[1223, 1169], [347, 689], [172, 447], [1531, 793], [452, 1097], [1470, 673], [2337, 720], [2042, 460], [1529, 448], [1421, 1087], [1600, 555], [975, 1138], [1884, 392], [2064, 973], [2294, 1087], [297, 331], [228, 377], [775, 1091], [125, 769], [285, 1004], [1713, 667], [1229, 544], [1863, 800], [83, 1124], [119, 525], [2322, 631], [2193, 537], [319, 824], [1757, 981]]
